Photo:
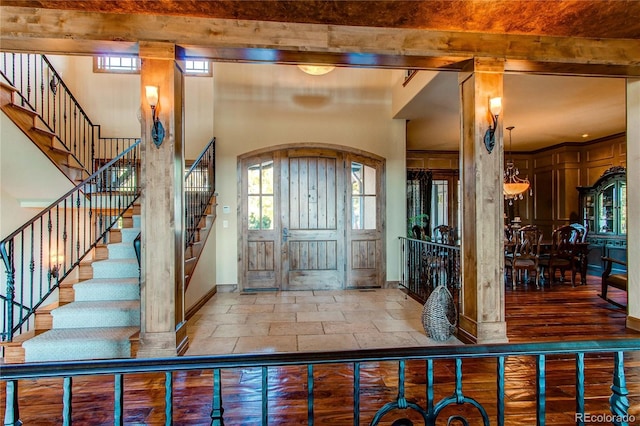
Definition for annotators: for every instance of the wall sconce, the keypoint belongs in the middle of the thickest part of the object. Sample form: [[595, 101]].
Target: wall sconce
[[495, 106], [157, 131], [54, 265]]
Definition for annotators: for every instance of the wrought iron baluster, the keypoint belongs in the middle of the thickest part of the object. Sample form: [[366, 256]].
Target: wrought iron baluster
[[216, 407], [500, 386], [12, 406], [21, 288], [66, 401], [42, 80], [29, 78], [618, 402], [310, 394], [118, 400], [356, 394], [580, 388], [265, 396], [65, 236], [7, 252], [78, 218], [430, 384], [32, 265], [458, 397], [168, 398], [541, 384], [41, 268]]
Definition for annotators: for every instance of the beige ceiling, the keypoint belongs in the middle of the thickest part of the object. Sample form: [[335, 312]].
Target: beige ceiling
[[544, 109]]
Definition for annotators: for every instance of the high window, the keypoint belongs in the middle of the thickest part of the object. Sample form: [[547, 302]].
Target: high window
[[131, 65], [116, 64]]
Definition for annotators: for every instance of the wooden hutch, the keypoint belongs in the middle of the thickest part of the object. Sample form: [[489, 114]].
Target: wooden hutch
[[604, 210]]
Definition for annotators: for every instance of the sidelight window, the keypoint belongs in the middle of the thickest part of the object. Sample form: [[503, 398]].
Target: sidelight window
[[260, 195], [363, 196]]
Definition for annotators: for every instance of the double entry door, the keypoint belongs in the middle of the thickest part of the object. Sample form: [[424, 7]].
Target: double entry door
[[311, 218]]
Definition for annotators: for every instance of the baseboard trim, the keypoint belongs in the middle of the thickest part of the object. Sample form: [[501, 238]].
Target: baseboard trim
[[182, 339], [200, 303], [633, 323]]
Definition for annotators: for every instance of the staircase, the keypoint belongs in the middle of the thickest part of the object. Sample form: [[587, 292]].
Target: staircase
[[97, 315], [98, 312], [194, 250], [35, 129]]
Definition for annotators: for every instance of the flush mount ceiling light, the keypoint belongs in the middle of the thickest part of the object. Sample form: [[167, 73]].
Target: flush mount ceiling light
[[316, 69]]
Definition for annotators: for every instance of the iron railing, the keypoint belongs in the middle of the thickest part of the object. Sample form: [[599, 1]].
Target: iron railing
[[199, 187], [415, 392], [41, 253], [41, 89], [424, 265]]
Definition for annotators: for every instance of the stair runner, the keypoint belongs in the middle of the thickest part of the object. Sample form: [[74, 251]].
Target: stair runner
[[105, 312]]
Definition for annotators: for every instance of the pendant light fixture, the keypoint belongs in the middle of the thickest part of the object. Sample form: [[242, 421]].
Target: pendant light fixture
[[513, 185]]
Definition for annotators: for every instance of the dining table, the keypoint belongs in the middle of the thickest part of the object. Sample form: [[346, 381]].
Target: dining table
[[581, 251]]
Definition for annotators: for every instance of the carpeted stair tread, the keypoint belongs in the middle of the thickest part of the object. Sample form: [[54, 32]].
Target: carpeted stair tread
[[129, 234], [97, 314], [107, 289], [121, 251], [116, 268], [80, 343]]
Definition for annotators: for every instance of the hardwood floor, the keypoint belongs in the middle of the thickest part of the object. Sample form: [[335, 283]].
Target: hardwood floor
[[559, 312]]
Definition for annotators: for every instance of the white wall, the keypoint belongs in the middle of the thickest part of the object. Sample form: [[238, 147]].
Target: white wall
[[109, 100], [256, 106], [113, 101], [29, 181], [259, 106]]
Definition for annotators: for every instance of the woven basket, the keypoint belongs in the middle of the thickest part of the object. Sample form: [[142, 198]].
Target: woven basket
[[439, 314]]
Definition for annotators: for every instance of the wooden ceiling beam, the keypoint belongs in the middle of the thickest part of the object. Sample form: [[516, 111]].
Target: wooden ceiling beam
[[90, 33]]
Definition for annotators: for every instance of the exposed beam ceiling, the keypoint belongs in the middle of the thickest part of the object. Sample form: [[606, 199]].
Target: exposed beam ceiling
[[576, 37], [562, 18]]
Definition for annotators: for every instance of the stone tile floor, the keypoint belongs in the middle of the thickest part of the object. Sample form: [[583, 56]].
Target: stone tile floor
[[304, 321]]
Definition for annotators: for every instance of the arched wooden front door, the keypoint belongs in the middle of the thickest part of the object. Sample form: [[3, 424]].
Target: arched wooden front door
[[311, 218]]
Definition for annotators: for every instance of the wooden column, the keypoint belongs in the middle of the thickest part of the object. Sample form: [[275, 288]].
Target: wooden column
[[162, 331], [633, 202], [482, 317]]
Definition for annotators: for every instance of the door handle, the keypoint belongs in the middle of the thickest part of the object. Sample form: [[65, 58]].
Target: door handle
[[285, 234]]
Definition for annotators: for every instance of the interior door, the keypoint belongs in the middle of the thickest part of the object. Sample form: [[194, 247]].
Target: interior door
[[259, 265], [312, 219], [365, 242]]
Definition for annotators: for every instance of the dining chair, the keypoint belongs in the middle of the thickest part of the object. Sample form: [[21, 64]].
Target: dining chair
[[581, 250], [581, 232], [444, 234], [563, 253], [526, 255], [509, 246]]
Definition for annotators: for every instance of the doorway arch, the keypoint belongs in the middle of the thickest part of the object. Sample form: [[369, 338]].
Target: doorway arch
[[311, 217]]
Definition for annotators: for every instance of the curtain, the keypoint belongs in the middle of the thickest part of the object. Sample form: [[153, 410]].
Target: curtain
[[418, 203]]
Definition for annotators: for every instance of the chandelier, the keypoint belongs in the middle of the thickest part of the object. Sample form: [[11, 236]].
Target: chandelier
[[513, 185]]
